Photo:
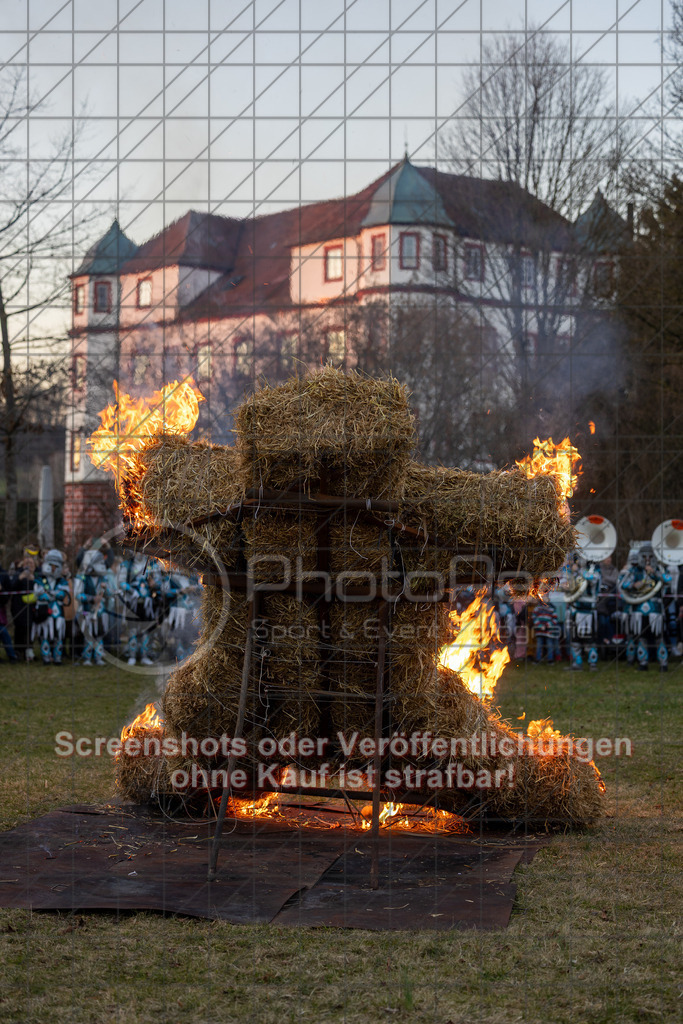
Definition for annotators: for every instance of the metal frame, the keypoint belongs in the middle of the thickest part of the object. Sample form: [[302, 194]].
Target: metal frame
[[323, 504]]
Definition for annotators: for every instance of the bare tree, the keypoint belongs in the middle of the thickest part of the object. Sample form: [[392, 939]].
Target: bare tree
[[675, 52], [534, 117], [539, 125], [38, 225]]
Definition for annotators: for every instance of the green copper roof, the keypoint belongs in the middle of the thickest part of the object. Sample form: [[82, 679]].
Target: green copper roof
[[406, 198], [600, 228], [108, 254]]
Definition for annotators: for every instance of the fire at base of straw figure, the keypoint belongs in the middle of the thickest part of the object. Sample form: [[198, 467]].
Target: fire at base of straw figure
[[397, 525]]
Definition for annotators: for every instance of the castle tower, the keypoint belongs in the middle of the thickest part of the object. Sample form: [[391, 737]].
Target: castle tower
[[89, 498]]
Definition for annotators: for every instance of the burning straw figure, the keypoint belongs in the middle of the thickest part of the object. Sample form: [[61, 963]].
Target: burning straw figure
[[351, 436]]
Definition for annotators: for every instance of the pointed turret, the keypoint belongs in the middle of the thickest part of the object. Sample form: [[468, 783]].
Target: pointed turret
[[108, 254], [405, 197], [600, 228]]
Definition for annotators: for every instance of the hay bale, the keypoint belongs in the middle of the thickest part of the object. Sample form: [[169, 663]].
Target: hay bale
[[337, 432], [201, 698], [139, 777], [182, 481], [413, 630], [553, 787], [520, 517], [414, 635], [358, 549], [280, 545]]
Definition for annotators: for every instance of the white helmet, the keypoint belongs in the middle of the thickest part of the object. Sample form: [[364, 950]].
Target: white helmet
[[53, 562]]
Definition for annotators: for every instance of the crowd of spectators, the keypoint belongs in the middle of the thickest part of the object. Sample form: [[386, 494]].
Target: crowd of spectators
[[105, 601]]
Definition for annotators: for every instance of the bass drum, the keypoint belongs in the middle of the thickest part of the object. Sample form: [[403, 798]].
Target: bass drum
[[596, 538], [667, 541]]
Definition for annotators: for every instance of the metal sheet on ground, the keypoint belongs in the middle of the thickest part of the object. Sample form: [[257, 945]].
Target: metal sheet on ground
[[127, 858], [439, 884], [123, 861]]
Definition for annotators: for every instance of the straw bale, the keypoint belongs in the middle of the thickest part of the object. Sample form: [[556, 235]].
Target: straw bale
[[290, 632], [334, 431], [183, 481], [358, 549], [553, 787], [224, 624], [346, 434], [414, 629], [300, 715], [139, 777], [202, 696], [520, 517], [280, 545]]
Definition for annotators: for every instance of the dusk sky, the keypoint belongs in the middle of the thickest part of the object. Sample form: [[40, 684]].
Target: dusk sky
[[246, 107]]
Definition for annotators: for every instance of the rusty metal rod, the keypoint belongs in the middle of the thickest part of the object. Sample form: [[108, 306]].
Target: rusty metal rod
[[239, 727], [377, 759]]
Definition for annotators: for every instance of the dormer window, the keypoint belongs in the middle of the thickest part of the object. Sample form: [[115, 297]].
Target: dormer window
[[144, 293], [409, 250], [79, 298], [378, 252], [334, 263], [102, 297], [439, 253]]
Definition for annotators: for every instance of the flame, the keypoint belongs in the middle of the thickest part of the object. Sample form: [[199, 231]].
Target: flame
[[406, 818], [472, 654], [264, 807], [542, 729], [591, 426], [148, 720], [558, 460], [543, 734], [129, 424], [392, 816]]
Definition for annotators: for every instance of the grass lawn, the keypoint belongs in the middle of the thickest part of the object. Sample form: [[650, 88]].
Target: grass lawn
[[594, 937]]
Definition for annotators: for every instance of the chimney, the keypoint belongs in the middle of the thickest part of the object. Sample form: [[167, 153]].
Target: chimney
[[630, 218]]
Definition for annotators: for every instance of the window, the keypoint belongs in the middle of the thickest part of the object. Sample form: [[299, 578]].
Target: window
[[79, 365], [336, 346], [241, 356], [102, 297], [334, 263], [565, 275], [603, 278], [528, 270], [204, 362], [75, 453], [439, 253], [378, 252], [529, 346], [173, 364], [473, 259], [288, 348], [141, 367], [79, 298], [409, 250], [144, 293]]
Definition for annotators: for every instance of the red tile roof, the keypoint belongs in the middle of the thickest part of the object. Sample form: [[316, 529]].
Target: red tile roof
[[195, 240], [256, 253]]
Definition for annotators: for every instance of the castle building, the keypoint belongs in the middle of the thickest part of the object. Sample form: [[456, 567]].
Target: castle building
[[200, 297]]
